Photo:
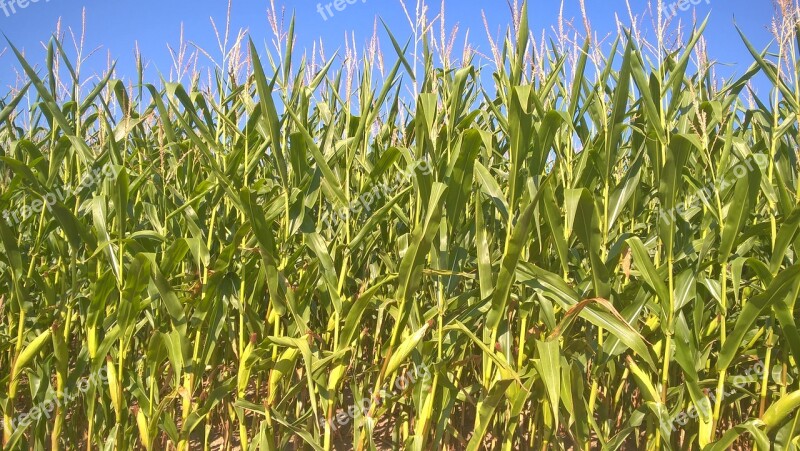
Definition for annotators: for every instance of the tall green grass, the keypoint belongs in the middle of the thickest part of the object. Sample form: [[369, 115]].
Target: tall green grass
[[587, 247]]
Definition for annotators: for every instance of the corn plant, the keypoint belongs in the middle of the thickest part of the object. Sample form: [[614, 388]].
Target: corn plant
[[572, 248]]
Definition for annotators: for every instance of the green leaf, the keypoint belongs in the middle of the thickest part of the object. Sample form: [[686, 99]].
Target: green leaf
[[556, 289], [744, 200], [549, 368], [411, 265], [641, 259], [486, 410], [753, 308], [406, 347], [587, 228]]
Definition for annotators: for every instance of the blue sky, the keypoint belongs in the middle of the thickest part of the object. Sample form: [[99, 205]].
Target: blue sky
[[116, 26]]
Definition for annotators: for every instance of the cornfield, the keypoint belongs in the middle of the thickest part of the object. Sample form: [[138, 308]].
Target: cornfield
[[582, 245]]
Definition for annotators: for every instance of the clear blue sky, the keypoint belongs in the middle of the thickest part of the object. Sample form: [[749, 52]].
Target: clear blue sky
[[115, 25]]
